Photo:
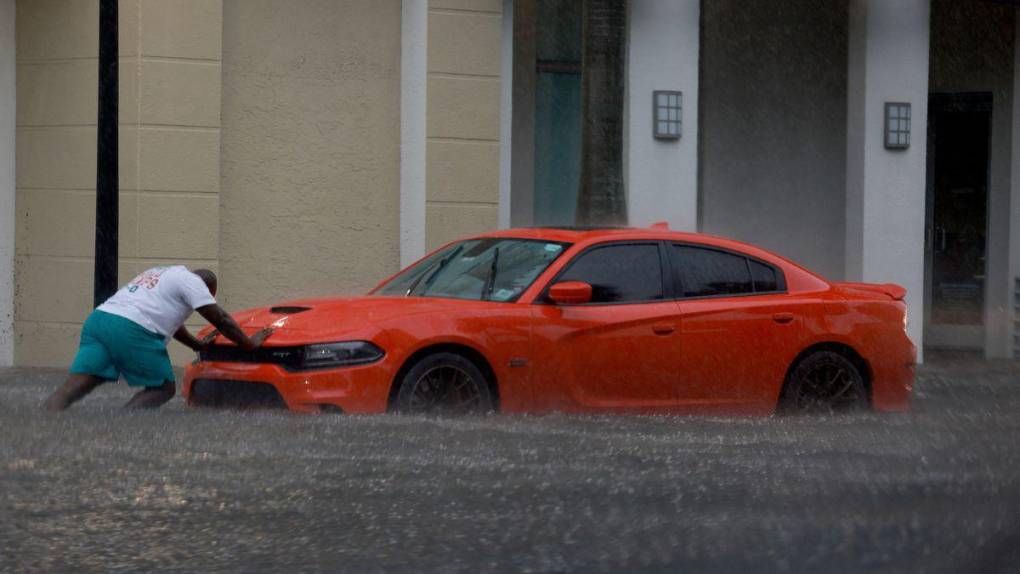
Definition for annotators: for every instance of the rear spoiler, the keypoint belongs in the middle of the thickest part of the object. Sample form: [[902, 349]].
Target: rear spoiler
[[894, 291]]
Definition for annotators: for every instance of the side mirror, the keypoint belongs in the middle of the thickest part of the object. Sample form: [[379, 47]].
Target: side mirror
[[570, 293]]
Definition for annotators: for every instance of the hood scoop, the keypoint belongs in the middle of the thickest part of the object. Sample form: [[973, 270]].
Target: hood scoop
[[288, 309]]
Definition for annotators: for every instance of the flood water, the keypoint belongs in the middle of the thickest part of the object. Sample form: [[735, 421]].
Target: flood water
[[100, 489]]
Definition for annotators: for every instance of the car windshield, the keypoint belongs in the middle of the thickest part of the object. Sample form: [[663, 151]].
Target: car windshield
[[486, 269]]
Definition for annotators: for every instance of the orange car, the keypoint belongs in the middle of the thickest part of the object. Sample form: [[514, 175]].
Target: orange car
[[596, 320]]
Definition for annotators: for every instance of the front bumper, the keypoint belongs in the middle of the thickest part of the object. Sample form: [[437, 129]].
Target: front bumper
[[358, 389]]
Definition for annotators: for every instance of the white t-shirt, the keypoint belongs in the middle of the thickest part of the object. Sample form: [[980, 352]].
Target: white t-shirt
[[160, 299]]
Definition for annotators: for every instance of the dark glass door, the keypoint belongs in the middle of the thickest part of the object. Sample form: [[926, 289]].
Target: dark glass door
[[958, 151]]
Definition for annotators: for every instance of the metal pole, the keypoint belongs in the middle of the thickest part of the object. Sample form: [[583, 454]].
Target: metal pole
[[105, 279]]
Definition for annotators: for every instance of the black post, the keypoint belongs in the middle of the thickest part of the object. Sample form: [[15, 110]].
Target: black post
[[105, 280]]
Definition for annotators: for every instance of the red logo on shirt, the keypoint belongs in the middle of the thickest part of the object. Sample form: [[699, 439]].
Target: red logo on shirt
[[148, 279]]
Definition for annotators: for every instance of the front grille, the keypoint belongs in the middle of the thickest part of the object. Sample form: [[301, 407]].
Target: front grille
[[288, 357], [235, 395]]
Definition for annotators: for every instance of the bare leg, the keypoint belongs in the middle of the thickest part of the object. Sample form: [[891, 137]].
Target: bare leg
[[74, 389], [152, 397]]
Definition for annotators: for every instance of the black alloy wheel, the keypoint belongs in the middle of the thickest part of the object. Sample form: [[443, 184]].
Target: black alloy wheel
[[444, 384], [824, 382]]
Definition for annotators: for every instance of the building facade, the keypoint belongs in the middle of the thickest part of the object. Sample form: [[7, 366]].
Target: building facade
[[312, 147]]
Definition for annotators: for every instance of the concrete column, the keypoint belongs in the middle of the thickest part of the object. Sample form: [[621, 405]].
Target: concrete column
[[1014, 203], [662, 175], [522, 114], [1000, 247], [413, 87], [885, 189], [506, 117], [7, 122]]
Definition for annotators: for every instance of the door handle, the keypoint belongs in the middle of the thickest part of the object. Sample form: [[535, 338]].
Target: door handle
[[782, 318], [663, 329]]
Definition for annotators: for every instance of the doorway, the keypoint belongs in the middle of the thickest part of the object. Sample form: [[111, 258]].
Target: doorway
[[557, 111], [567, 112], [959, 134]]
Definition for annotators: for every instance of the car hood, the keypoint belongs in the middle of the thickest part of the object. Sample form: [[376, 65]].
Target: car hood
[[332, 319]]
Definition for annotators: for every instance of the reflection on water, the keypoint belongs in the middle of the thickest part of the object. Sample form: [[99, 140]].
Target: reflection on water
[[97, 488]]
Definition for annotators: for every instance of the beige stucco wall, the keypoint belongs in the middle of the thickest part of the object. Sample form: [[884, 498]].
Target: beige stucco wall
[[311, 140], [300, 195], [462, 146], [169, 156]]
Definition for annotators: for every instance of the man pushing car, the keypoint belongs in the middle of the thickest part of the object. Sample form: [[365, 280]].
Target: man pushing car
[[128, 334]]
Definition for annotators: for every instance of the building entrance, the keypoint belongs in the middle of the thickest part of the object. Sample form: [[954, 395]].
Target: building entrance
[[959, 130]]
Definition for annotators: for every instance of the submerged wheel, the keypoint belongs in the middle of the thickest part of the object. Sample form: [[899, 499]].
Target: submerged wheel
[[824, 382], [444, 384]]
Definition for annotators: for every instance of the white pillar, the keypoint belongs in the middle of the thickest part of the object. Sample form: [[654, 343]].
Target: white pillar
[[885, 189], [1014, 203], [662, 54], [506, 114], [7, 122], [413, 90]]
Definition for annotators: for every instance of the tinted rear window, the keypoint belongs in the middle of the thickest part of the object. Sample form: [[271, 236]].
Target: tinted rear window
[[706, 272], [764, 277]]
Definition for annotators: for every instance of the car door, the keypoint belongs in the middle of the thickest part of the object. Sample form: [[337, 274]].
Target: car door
[[621, 351], [739, 328]]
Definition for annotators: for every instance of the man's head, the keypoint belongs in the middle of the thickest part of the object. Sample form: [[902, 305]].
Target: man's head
[[209, 278]]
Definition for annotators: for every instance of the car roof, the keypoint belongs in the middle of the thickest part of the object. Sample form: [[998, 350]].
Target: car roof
[[586, 234], [797, 277]]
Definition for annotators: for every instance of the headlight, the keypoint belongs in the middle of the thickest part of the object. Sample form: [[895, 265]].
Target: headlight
[[344, 354]]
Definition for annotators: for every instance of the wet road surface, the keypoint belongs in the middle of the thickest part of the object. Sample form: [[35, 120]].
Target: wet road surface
[[100, 489]]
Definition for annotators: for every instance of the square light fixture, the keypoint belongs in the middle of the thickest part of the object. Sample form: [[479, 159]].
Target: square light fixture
[[667, 109], [897, 125]]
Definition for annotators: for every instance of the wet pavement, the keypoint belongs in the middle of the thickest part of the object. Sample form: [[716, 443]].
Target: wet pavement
[[100, 489]]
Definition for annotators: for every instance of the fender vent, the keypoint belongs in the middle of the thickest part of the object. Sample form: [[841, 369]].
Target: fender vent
[[289, 309]]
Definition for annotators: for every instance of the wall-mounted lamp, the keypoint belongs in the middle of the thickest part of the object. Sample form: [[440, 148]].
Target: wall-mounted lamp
[[897, 125], [667, 108]]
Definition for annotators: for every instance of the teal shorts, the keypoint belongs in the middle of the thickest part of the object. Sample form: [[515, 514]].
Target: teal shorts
[[112, 346]]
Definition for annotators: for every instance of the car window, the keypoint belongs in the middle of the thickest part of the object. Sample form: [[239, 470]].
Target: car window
[[706, 272], [619, 273], [764, 277], [414, 274], [487, 269]]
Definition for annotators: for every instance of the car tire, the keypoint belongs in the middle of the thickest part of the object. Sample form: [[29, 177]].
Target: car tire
[[824, 382], [444, 384]]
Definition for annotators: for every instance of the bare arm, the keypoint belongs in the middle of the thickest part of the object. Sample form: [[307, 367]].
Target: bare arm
[[187, 339], [229, 328]]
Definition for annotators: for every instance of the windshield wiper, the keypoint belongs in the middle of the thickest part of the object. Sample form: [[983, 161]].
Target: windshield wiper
[[490, 279], [432, 276]]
